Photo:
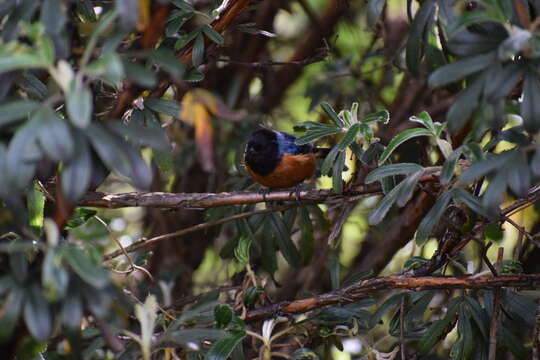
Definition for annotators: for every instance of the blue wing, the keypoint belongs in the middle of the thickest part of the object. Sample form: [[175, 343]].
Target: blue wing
[[287, 145]]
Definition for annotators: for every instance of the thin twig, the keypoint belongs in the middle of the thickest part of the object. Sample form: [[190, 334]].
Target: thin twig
[[142, 243], [496, 309], [268, 63], [536, 334], [486, 260], [402, 328], [132, 265]]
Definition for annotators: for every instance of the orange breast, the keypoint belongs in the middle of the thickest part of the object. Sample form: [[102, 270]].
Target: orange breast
[[291, 170]]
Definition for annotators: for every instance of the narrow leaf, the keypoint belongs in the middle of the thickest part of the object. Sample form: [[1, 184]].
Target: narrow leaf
[[400, 139], [332, 114], [392, 170], [432, 218]]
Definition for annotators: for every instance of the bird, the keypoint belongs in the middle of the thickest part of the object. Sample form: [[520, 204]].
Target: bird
[[273, 159]]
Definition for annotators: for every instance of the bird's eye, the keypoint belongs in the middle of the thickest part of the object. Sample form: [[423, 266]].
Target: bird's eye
[[257, 147]]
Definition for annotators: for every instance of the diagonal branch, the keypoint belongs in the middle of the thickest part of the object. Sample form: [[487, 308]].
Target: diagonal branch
[[364, 288]]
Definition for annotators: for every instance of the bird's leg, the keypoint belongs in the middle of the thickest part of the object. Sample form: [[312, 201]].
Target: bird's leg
[[264, 191], [296, 190]]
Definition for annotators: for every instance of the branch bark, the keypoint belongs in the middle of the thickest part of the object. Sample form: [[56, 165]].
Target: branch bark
[[210, 200], [364, 288]]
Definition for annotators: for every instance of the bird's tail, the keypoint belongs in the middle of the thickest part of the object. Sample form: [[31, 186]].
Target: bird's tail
[[321, 152]]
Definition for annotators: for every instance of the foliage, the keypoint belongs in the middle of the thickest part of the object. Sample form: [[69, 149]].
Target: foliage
[[131, 96]]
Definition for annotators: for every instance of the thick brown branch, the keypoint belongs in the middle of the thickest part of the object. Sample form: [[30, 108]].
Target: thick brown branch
[[210, 200], [364, 288], [226, 17]]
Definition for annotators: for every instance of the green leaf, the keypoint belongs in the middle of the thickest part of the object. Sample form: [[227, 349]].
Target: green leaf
[[197, 55], [464, 105], [407, 188], [349, 137], [16, 110], [374, 10], [188, 337], [241, 251], [37, 315], [479, 316], [337, 179], [139, 74], [495, 192], [268, 248], [389, 303], [313, 135], [72, 311], [530, 106], [163, 106], [392, 170], [459, 69], [313, 125], [53, 276], [79, 217], [11, 307], [22, 154], [417, 35], [139, 172], [85, 268], [194, 76], [222, 315], [305, 353], [329, 160], [13, 59], [424, 119], [224, 347], [332, 114], [77, 172], [306, 237], [449, 166], [110, 148], [138, 134], [466, 336], [168, 61], [108, 68], [334, 268], [400, 139], [432, 218], [35, 202], [54, 135], [471, 201], [519, 174], [284, 241], [128, 13], [382, 116], [52, 16], [212, 34], [484, 167], [502, 80], [436, 330], [183, 5], [380, 211]]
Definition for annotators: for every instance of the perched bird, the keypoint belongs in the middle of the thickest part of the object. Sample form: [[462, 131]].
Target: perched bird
[[273, 159]]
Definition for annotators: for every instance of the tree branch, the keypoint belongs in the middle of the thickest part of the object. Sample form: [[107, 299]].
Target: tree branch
[[210, 200], [148, 242], [364, 288]]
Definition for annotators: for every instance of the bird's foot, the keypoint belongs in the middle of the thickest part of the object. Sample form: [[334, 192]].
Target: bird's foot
[[264, 192], [296, 190]]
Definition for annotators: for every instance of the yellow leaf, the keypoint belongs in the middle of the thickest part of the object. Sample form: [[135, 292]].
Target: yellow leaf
[[144, 15], [194, 112]]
